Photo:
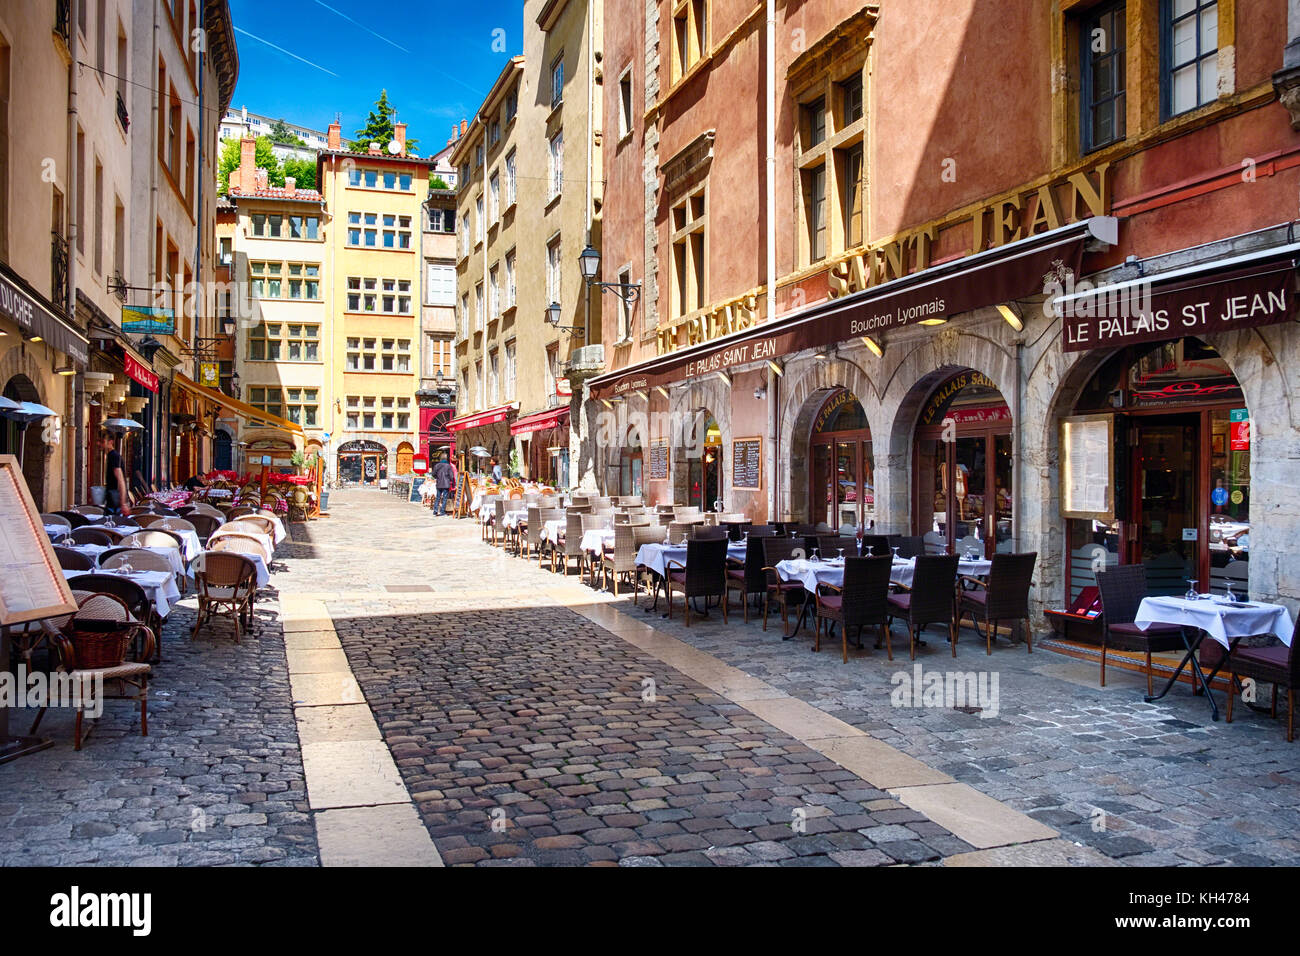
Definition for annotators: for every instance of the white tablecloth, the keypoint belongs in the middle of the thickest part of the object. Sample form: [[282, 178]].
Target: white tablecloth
[[512, 519], [57, 531], [904, 569], [1216, 617], [173, 556], [268, 546], [812, 573], [552, 530], [280, 533], [160, 586], [597, 540], [656, 556]]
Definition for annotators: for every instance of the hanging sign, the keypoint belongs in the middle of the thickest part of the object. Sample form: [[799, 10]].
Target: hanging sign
[[147, 320], [138, 373], [209, 374]]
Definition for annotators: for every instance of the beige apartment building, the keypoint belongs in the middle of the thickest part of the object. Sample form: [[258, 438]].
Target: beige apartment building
[[437, 393], [373, 263], [529, 325]]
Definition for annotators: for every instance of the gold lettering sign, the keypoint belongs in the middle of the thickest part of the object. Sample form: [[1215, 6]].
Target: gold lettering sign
[[733, 316]]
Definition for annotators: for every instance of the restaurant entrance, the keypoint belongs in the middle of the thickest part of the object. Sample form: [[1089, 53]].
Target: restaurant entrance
[[1183, 446], [363, 462], [704, 464], [962, 494], [842, 486]]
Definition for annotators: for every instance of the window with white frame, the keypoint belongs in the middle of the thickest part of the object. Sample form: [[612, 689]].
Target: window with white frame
[[626, 119], [464, 236], [440, 284], [557, 81], [479, 384], [365, 178], [479, 318], [494, 292], [555, 166], [510, 279], [494, 389], [553, 271], [464, 316], [510, 371], [494, 197], [624, 310], [481, 225], [511, 181]]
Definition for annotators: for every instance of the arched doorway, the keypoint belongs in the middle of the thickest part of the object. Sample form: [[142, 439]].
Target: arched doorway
[[20, 389], [962, 472], [630, 464], [842, 480], [405, 455], [1182, 444], [704, 462], [222, 457]]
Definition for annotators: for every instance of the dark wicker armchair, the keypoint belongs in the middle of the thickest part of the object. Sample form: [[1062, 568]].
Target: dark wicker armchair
[[1004, 598], [70, 560], [776, 550], [1276, 664], [749, 578], [704, 574], [864, 600], [930, 600], [1122, 590], [92, 535]]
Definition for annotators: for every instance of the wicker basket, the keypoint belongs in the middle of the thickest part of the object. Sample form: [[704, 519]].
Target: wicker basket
[[99, 644]]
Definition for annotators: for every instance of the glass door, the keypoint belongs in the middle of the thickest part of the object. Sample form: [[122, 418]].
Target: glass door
[[1166, 516], [848, 499], [823, 486]]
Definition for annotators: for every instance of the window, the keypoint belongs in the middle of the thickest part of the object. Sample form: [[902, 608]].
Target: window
[[269, 400], [814, 117], [850, 173], [478, 384], [353, 358], [442, 220], [364, 295], [99, 213], [371, 230], [119, 237], [80, 205], [830, 161], [494, 292], [815, 211], [553, 272], [481, 228], [851, 100], [441, 285], [478, 307], [510, 179], [437, 350], [264, 342], [688, 265], [464, 316], [555, 166], [464, 236], [552, 369], [1189, 53], [510, 371], [512, 103], [494, 391], [295, 342], [303, 343], [625, 120], [1102, 52], [557, 81], [494, 136], [510, 279], [494, 196], [690, 35], [625, 310]]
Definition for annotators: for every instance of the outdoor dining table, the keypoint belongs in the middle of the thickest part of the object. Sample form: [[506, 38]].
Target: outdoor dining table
[[512, 519], [655, 557], [268, 547], [1213, 616], [160, 586], [597, 540], [173, 556], [552, 530], [57, 531]]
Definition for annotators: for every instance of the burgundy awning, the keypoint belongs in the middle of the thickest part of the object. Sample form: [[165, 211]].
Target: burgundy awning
[[541, 421], [1018, 270], [489, 417]]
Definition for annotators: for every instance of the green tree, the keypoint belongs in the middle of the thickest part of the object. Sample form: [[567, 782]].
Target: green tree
[[281, 134], [379, 127], [303, 172], [264, 157], [437, 182]]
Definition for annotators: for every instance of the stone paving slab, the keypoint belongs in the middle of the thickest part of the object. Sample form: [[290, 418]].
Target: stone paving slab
[[389, 835], [975, 817], [1041, 853], [317, 661], [316, 690], [351, 773], [343, 722], [877, 762]]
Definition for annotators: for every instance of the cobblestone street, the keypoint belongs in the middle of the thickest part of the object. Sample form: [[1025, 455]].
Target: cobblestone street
[[527, 719]]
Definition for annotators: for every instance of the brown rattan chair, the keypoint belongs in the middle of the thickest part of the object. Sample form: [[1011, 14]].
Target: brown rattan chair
[[572, 545], [1122, 589], [864, 600], [151, 539], [92, 535], [133, 596], [748, 579], [172, 524], [240, 544], [136, 558], [70, 560], [621, 560], [90, 511], [204, 524], [704, 575], [930, 600], [225, 583], [776, 550], [1276, 664], [255, 522], [1004, 598]]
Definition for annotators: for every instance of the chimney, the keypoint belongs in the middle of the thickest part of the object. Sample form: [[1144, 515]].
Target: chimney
[[261, 178], [335, 136], [399, 134], [375, 149], [290, 185], [243, 177], [464, 127]]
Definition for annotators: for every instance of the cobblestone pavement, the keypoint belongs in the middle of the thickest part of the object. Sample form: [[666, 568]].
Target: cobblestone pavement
[[217, 781], [1144, 784]]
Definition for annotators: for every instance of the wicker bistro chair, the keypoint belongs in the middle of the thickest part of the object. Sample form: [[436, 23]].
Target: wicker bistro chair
[[205, 509], [621, 560], [572, 547], [74, 518], [499, 518], [70, 560], [708, 533], [1122, 589], [136, 558], [776, 550], [828, 545], [876, 545], [151, 539], [748, 579], [1004, 598], [225, 583], [103, 617], [258, 523], [239, 511], [90, 535], [1276, 664], [136, 600], [677, 530], [547, 547], [240, 544], [172, 524], [204, 525], [704, 575], [930, 599], [146, 519], [864, 600], [91, 511], [909, 546], [58, 520]]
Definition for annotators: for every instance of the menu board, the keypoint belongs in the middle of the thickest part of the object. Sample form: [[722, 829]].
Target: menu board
[[1087, 467], [32, 585], [658, 460], [747, 464]]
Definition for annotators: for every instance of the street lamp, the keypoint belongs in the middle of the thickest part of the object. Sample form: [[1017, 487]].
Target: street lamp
[[553, 314], [589, 263]]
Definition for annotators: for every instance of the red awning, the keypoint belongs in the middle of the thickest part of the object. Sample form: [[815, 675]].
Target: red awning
[[541, 421], [479, 419]]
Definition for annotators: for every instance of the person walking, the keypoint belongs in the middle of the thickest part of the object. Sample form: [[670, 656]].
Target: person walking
[[116, 500], [443, 479], [496, 471]]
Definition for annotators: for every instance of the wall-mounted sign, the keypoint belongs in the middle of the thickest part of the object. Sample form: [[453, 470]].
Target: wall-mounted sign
[[1087, 467], [138, 373], [1239, 425], [747, 464], [210, 374], [562, 388], [657, 460], [419, 464], [147, 320]]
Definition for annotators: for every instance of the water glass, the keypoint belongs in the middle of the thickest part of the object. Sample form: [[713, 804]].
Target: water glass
[[1192, 593], [815, 556], [895, 550]]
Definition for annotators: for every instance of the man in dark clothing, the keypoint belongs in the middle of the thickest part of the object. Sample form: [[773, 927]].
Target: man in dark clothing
[[444, 476], [115, 496], [195, 483]]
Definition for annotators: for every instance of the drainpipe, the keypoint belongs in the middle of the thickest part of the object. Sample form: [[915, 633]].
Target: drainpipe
[[74, 227], [591, 85], [1017, 460], [769, 208], [200, 311]]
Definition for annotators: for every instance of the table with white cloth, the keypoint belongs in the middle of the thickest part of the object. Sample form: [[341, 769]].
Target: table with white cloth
[[905, 568], [552, 530], [655, 557], [812, 573], [267, 545], [263, 573], [190, 544], [159, 586], [56, 532], [597, 540], [512, 519], [1214, 616], [173, 555]]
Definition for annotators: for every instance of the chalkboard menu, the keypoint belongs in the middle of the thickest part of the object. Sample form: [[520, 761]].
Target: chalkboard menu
[[747, 464], [658, 460]]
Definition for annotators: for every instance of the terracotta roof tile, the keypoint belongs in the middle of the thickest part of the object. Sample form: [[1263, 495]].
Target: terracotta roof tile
[[278, 192]]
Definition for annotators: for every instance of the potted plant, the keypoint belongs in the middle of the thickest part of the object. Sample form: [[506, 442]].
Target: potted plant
[[298, 460]]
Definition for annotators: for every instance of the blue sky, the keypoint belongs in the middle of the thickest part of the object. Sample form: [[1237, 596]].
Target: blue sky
[[437, 61]]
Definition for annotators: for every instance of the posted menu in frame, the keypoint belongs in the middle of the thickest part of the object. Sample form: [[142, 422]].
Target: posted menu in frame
[[1087, 466], [32, 585]]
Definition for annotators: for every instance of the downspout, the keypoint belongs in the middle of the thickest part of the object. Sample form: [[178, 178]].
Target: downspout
[[1017, 459], [70, 395], [200, 312], [577, 421], [769, 204]]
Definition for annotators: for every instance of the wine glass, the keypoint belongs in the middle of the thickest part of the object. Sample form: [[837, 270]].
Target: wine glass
[[895, 550], [816, 557], [841, 551], [1192, 593], [1227, 592]]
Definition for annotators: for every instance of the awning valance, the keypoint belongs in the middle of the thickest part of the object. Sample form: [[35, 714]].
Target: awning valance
[[242, 409], [541, 421], [1241, 292], [1014, 271], [489, 417], [21, 304]]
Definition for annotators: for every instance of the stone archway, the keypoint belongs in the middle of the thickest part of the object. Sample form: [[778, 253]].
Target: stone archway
[[709, 397], [806, 385], [28, 440]]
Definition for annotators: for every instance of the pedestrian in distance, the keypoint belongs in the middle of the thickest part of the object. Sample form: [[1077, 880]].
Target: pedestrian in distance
[[443, 479]]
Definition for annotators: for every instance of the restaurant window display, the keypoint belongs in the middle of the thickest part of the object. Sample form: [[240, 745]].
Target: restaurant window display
[[704, 464], [1181, 471], [363, 462], [843, 469], [963, 474], [630, 465]]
